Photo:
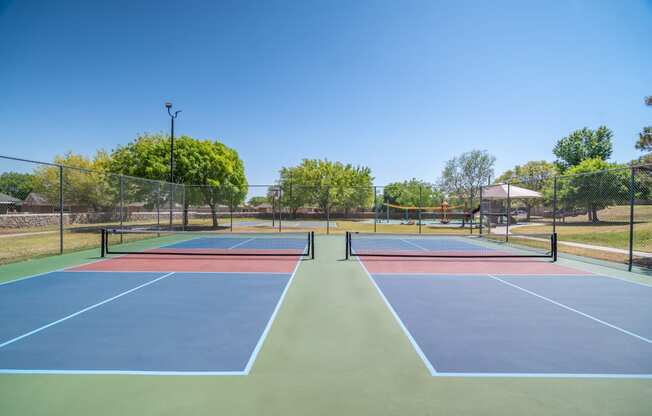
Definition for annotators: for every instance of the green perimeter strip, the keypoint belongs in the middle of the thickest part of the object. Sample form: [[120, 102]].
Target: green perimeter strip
[[334, 349]]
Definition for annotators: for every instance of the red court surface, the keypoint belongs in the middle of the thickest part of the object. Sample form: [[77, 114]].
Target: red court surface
[[513, 266], [189, 263]]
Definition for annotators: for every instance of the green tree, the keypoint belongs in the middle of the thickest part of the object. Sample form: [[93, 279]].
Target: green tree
[[536, 175], [15, 184], [463, 176], [256, 201], [645, 137], [581, 145], [414, 192], [325, 184], [593, 185], [85, 184], [215, 170]]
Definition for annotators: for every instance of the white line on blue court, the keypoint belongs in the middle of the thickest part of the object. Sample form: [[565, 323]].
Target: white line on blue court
[[420, 353], [420, 247], [263, 336], [58, 321], [126, 372], [63, 269], [586, 315], [241, 243]]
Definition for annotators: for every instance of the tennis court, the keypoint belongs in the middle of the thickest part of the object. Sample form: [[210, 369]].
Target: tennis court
[[474, 307], [168, 303]]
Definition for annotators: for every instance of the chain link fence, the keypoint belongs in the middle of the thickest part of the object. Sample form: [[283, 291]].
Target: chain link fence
[[49, 209]]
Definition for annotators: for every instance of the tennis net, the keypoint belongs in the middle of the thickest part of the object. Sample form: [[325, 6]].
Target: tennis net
[[206, 243], [451, 245]]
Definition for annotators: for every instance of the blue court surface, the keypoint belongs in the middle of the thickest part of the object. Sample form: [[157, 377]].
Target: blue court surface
[[125, 322], [396, 243], [253, 243], [540, 326]]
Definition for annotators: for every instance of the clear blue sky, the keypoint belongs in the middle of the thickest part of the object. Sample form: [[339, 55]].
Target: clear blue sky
[[399, 86]]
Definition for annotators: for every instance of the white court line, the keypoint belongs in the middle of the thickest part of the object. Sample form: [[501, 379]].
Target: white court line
[[586, 315], [543, 375], [165, 271], [125, 372], [413, 244], [263, 336], [241, 243], [72, 315], [407, 333], [63, 269]]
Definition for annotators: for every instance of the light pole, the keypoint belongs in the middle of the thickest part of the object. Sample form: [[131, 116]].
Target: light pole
[[173, 117]]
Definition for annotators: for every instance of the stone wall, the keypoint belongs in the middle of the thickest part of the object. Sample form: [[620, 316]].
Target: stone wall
[[45, 220]]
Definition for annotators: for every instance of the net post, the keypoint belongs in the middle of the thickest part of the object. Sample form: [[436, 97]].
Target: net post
[[312, 245], [60, 209], [509, 213], [346, 245], [102, 242], [630, 261]]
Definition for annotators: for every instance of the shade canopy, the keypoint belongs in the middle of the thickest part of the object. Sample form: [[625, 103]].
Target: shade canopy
[[500, 191]]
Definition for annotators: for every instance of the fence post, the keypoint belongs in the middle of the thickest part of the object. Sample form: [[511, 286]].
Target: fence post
[[122, 204], [419, 209], [631, 221], [328, 210], [60, 209], [231, 213], [509, 213], [171, 196], [480, 230], [280, 210], [184, 211], [554, 205], [375, 210], [158, 205]]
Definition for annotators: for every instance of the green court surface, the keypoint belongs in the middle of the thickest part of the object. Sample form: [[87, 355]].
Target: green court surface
[[333, 349]]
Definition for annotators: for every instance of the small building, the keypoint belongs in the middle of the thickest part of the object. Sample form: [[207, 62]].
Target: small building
[[9, 204], [38, 204]]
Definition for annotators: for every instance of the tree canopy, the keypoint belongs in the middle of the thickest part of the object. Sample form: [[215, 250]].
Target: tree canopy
[[581, 145], [594, 184], [463, 176], [325, 184], [15, 184], [84, 181], [414, 192], [645, 137], [215, 169]]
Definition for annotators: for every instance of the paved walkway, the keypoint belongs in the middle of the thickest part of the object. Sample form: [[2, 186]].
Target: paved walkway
[[501, 230]]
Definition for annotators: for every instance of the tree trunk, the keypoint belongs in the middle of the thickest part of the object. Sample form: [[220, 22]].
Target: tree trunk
[[594, 214], [214, 215]]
